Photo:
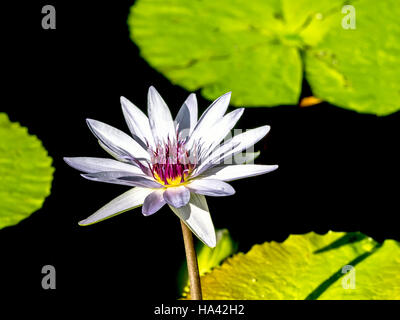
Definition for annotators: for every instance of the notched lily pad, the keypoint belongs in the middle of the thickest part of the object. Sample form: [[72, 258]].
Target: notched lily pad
[[25, 170], [258, 50]]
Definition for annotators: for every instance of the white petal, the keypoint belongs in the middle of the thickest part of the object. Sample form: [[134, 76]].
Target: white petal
[[245, 157], [210, 117], [197, 217], [186, 118], [211, 187], [235, 172], [117, 141], [237, 144], [153, 202], [137, 121], [92, 165], [213, 137], [126, 201], [177, 196], [142, 164], [123, 178], [112, 153], [161, 123]]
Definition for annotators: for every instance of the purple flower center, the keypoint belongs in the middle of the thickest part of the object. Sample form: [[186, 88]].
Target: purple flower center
[[171, 163]]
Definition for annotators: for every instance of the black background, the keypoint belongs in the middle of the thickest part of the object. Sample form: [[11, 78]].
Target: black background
[[338, 169]]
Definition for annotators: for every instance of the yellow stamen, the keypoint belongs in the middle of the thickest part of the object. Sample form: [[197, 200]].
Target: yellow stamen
[[170, 182]]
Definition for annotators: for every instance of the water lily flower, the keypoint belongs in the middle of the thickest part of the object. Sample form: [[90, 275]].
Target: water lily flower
[[175, 162]]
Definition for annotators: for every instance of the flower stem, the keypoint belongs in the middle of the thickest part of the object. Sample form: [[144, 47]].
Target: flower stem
[[191, 259]]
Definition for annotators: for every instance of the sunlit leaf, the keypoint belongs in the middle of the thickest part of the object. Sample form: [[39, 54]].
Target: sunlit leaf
[[25, 171], [221, 46], [359, 69], [309, 266], [258, 49]]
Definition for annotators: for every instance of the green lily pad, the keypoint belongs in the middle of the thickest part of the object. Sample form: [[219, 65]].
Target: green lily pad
[[259, 49], [310, 266], [220, 46], [359, 69], [25, 170]]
